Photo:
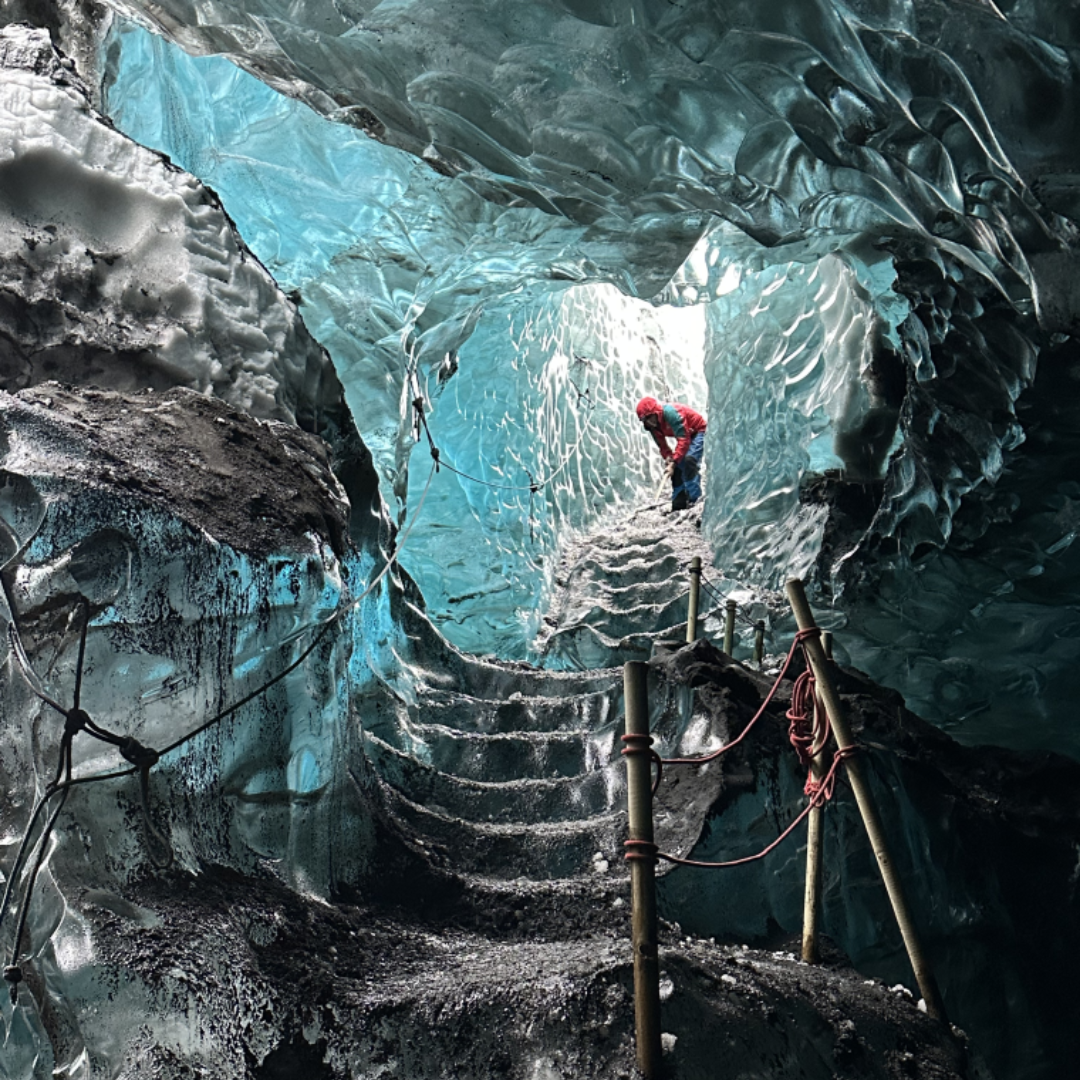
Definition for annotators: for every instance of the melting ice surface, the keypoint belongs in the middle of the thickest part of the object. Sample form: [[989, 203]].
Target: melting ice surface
[[519, 367], [896, 317], [529, 381]]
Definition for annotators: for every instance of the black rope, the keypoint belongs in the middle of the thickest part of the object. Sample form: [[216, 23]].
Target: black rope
[[324, 629], [13, 971], [31, 678], [143, 758], [719, 598], [534, 486]]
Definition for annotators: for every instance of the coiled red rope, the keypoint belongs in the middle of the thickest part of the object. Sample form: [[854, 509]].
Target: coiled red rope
[[800, 637], [808, 731]]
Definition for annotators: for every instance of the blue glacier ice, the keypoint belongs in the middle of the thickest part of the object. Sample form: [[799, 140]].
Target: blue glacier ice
[[877, 209], [415, 284], [846, 230]]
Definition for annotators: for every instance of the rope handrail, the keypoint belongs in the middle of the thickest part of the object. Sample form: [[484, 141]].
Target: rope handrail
[[534, 485], [720, 598], [800, 637], [818, 799], [808, 738]]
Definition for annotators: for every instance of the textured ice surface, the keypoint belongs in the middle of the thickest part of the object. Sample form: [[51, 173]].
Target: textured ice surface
[[118, 270], [401, 268], [882, 251], [137, 507], [472, 795], [870, 268]]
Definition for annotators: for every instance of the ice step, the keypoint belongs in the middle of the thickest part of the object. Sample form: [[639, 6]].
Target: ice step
[[522, 755], [637, 568], [586, 712], [560, 849], [563, 799]]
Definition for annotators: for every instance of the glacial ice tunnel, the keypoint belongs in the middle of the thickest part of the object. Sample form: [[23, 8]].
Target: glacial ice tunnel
[[321, 327]]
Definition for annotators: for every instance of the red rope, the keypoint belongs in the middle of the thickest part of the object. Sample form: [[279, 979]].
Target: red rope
[[640, 850], [821, 795], [800, 637], [642, 744], [801, 730], [804, 734]]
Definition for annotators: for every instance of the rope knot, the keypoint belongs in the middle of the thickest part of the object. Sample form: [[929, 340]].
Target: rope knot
[[13, 974], [142, 757], [75, 720]]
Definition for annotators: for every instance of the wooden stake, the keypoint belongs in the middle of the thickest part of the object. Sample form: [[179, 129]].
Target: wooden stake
[[814, 838], [642, 870], [695, 595], [729, 626], [759, 641], [924, 975]]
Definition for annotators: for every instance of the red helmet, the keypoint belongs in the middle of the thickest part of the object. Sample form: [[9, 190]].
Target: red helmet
[[647, 406]]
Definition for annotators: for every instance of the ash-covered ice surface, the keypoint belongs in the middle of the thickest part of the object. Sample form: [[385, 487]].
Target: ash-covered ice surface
[[397, 860], [845, 231]]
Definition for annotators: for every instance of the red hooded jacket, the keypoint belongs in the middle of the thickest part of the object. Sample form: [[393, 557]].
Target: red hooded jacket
[[676, 422]]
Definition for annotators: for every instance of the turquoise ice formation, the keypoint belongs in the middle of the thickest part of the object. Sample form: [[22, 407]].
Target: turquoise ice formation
[[842, 224], [838, 226]]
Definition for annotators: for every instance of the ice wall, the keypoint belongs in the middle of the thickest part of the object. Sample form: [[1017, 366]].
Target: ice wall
[[120, 272], [145, 518], [414, 283], [877, 201], [544, 393]]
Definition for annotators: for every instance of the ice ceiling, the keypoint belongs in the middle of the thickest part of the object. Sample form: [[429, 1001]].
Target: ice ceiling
[[856, 220]]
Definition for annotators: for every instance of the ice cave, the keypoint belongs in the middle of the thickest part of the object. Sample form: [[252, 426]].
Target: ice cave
[[327, 527]]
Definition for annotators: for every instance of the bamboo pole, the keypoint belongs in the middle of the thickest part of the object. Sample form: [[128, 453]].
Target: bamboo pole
[[729, 626], [695, 598], [814, 843], [641, 854], [924, 975]]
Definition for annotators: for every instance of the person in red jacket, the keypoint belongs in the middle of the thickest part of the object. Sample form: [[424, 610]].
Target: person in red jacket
[[665, 421]]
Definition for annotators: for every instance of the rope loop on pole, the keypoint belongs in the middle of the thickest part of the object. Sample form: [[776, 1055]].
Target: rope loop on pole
[[637, 744], [641, 851]]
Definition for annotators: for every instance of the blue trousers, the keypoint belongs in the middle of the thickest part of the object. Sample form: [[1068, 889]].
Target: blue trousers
[[686, 479]]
